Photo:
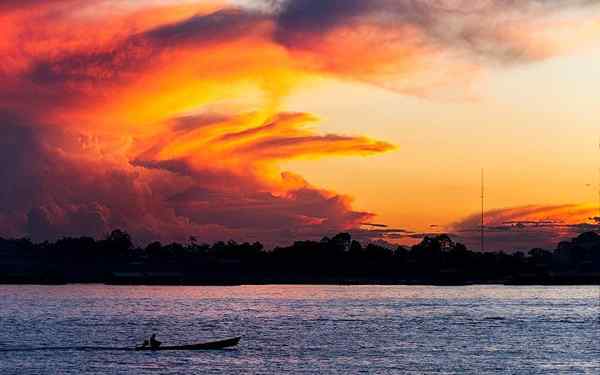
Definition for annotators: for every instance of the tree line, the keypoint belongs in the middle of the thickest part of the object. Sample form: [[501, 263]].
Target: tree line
[[340, 259]]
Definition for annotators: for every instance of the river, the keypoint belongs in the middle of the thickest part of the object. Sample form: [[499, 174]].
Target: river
[[302, 329]]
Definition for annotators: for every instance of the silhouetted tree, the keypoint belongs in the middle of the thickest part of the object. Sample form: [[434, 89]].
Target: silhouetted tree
[[355, 247], [117, 243], [434, 258], [341, 242]]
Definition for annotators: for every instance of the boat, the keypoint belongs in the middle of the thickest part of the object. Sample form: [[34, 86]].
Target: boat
[[212, 345]]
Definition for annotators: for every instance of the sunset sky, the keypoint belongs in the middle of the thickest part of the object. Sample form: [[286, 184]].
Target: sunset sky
[[278, 120]]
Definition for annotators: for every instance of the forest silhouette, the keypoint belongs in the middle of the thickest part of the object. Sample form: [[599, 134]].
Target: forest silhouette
[[340, 260]]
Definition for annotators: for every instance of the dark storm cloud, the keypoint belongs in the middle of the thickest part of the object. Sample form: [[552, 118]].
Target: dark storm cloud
[[318, 16], [480, 27], [220, 25]]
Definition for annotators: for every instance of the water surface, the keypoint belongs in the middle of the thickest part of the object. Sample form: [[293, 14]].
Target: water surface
[[302, 329]]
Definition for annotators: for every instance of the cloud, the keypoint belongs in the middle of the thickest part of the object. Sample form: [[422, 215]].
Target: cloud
[[166, 199], [495, 29], [166, 120], [414, 47], [426, 47], [210, 28], [523, 228], [13, 5]]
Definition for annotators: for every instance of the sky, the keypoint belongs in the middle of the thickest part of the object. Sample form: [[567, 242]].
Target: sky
[[279, 120]]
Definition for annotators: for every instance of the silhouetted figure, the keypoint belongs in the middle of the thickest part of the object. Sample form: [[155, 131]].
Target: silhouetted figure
[[154, 343]]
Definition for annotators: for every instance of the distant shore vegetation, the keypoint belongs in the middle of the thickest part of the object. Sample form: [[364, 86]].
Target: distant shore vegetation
[[338, 260]]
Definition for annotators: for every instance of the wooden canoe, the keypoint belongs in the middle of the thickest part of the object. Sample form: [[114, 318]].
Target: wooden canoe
[[213, 345]]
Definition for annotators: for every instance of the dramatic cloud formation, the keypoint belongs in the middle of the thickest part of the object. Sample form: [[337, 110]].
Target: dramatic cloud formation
[[61, 184], [164, 118]]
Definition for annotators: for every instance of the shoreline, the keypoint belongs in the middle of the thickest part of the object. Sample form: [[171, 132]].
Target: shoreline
[[311, 282]]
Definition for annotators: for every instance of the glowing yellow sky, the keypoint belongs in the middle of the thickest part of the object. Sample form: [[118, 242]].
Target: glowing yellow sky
[[533, 128]]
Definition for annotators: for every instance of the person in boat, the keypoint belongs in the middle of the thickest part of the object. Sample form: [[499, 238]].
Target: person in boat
[[145, 344], [154, 343]]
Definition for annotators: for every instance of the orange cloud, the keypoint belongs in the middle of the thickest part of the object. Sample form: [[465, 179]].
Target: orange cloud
[[167, 130]]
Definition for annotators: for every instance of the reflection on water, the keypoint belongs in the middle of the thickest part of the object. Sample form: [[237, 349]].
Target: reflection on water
[[302, 329]]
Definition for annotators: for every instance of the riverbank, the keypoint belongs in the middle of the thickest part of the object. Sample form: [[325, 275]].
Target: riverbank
[[230, 280]]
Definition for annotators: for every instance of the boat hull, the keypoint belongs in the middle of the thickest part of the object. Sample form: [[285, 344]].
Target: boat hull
[[213, 345]]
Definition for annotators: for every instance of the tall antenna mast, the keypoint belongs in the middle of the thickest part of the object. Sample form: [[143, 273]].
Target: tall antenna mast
[[597, 221], [598, 214], [482, 210]]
